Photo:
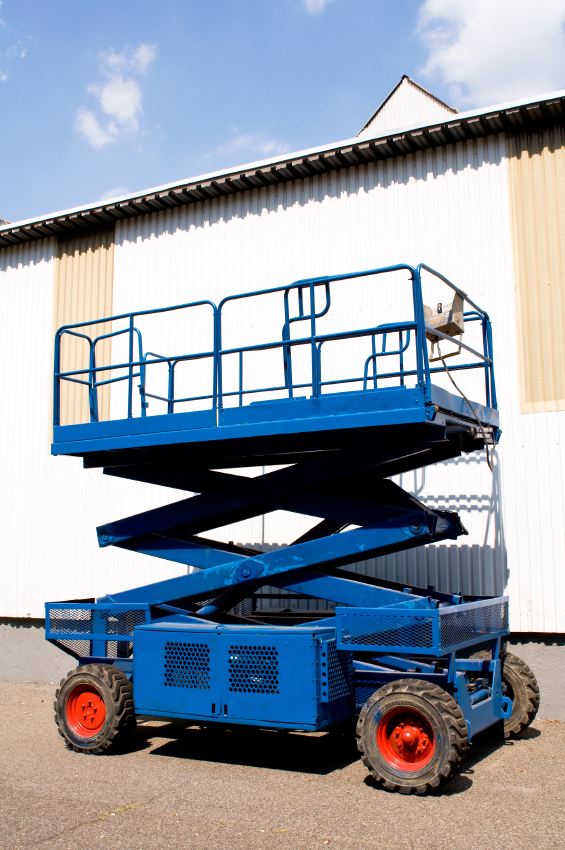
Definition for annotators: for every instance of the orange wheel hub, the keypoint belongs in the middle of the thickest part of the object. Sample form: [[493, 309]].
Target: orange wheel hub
[[406, 739], [86, 711]]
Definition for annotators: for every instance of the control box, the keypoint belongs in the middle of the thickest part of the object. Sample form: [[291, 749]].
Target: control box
[[446, 318]]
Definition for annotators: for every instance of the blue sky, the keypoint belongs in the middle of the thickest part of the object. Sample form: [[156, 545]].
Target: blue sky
[[104, 97]]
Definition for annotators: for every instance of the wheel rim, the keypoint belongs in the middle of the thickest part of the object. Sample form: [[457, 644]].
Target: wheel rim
[[406, 739], [86, 711]]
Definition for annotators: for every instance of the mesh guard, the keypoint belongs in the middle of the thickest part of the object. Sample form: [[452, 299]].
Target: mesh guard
[[418, 631]]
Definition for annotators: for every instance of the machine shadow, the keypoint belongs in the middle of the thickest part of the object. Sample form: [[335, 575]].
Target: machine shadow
[[484, 745], [318, 753]]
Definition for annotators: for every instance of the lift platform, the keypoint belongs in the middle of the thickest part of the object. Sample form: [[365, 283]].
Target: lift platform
[[204, 646]]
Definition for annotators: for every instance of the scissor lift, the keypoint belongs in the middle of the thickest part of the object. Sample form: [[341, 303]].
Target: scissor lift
[[423, 670]]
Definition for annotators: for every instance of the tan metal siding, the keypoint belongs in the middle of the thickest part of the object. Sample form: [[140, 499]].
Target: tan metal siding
[[83, 287], [537, 180]]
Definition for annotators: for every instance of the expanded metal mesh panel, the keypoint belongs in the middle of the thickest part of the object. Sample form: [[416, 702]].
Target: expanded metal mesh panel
[[472, 623], [337, 672], [81, 648], [244, 608], [187, 665], [253, 669], [387, 630], [118, 648], [122, 622], [84, 621], [363, 691], [70, 620]]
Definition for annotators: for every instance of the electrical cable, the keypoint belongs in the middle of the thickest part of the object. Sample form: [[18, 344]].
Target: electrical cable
[[460, 391]]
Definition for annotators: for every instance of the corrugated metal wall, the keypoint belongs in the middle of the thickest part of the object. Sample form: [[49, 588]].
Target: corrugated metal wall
[[448, 207], [82, 283], [537, 169]]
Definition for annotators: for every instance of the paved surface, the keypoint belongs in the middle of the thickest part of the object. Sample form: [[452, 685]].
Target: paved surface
[[191, 788]]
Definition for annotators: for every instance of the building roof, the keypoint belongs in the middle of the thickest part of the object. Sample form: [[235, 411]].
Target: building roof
[[407, 103], [516, 116]]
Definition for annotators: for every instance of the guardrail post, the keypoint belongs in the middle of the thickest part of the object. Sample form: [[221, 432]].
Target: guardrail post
[[57, 381], [218, 357], [422, 364], [130, 373], [315, 378]]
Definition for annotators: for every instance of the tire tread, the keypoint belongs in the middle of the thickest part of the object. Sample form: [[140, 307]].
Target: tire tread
[[121, 693], [454, 720]]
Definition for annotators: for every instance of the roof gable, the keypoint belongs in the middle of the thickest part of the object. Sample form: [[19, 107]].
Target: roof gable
[[408, 104]]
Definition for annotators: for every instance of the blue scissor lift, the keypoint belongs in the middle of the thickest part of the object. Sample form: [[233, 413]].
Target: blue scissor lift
[[422, 670]]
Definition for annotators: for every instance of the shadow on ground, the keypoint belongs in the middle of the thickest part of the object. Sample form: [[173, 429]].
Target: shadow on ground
[[483, 746], [319, 754]]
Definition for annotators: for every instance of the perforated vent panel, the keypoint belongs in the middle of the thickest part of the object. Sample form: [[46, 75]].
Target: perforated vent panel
[[387, 630], [187, 665], [253, 669], [337, 672], [472, 623]]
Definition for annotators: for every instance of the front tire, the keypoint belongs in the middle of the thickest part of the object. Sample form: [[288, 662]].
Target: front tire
[[412, 736], [94, 708]]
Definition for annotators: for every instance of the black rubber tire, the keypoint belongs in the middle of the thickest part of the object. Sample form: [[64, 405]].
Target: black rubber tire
[[115, 689], [448, 724], [521, 687]]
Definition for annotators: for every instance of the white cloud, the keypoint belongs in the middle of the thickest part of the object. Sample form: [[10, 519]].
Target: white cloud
[[3, 77], [16, 51], [119, 97], [87, 123], [116, 192], [252, 143], [489, 52], [315, 6], [138, 62]]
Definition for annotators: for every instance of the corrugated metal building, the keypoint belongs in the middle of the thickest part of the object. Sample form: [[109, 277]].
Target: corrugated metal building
[[479, 195]]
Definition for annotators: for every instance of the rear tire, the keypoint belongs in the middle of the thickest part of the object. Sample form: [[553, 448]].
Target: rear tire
[[521, 687], [94, 708], [412, 736]]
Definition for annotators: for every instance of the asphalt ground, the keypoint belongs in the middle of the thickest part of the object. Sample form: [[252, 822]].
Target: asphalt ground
[[187, 787]]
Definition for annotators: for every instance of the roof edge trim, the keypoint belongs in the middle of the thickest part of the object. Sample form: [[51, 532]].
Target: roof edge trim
[[508, 117]]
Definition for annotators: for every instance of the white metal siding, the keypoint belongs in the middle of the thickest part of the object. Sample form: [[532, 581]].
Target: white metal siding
[[50, 506], [448, 207]]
